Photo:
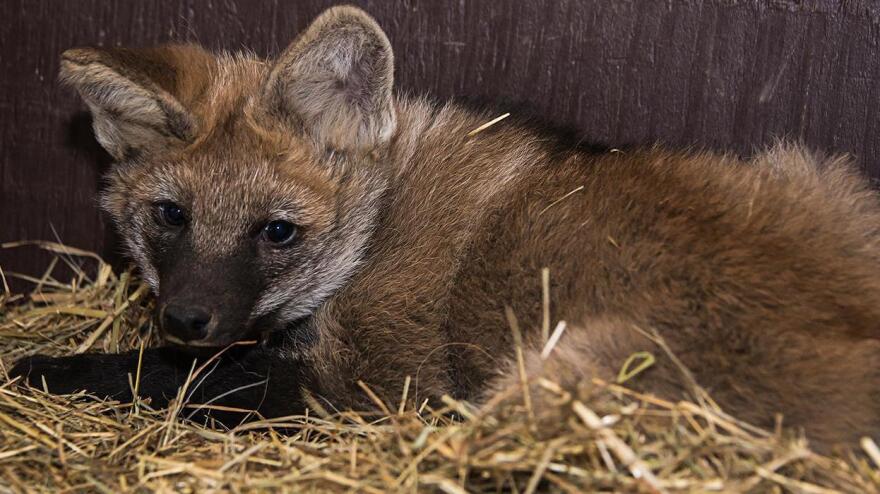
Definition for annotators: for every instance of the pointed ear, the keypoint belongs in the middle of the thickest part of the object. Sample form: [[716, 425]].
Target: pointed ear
[[335, 81], [139, 98]]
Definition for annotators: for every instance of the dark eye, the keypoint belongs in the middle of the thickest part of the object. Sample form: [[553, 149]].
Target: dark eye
[[279, 232], [171, 213]]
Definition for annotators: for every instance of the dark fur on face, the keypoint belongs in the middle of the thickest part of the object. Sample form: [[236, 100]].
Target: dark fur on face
[[413, 234], [241, 169]]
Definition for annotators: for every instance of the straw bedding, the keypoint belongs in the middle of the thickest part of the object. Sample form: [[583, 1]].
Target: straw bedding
[[612, 439]]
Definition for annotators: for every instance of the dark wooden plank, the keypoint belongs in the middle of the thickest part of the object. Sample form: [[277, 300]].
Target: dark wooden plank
[[715, 73]]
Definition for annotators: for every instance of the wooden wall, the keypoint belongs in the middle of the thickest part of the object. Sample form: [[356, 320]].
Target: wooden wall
[[720, 73]]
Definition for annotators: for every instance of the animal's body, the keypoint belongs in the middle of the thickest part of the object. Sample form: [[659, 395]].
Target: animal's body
[[375, 239]]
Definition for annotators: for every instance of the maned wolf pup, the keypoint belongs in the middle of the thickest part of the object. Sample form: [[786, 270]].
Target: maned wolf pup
[[374, 237]]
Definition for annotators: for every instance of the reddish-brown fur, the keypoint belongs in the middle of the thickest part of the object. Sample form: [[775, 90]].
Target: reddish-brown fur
[[761, 276]]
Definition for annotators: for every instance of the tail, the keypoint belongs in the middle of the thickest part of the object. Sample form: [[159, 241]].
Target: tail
[[830, 387]]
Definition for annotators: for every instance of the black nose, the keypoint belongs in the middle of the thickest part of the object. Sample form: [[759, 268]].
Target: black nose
[[186, 322]]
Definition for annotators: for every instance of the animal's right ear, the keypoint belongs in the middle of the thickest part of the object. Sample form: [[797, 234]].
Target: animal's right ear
[[139, 98]]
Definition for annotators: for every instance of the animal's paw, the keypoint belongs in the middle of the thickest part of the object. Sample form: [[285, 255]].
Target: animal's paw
[[98, 374]]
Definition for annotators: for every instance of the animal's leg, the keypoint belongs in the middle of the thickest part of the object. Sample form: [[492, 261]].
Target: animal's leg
[[251, 379]]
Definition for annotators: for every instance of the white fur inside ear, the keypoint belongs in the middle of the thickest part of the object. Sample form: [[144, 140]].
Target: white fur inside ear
[[126, 116], [336, 80], [120, 136]]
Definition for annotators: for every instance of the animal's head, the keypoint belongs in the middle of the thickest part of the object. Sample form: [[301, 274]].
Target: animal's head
[[245, 190]]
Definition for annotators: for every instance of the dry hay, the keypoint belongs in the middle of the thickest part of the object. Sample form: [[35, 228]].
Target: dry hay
[[613, 439]]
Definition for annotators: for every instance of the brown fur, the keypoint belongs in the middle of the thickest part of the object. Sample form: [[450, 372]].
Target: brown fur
[[762, 276]]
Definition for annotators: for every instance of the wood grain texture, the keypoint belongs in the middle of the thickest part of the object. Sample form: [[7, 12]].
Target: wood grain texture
[[723, 74]]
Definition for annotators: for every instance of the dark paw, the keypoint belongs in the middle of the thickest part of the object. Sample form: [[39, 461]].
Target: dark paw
[[33, 369], [92, 373]]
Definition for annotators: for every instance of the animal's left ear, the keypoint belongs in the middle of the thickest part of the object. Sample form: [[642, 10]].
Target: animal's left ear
[[335, 81]]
